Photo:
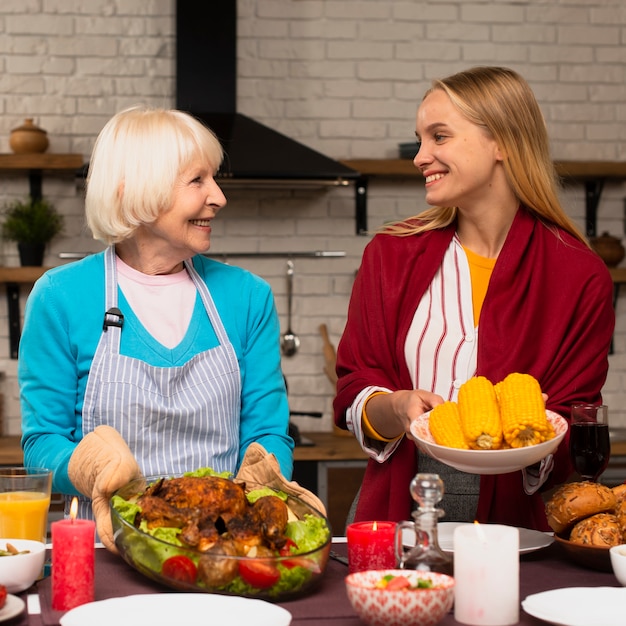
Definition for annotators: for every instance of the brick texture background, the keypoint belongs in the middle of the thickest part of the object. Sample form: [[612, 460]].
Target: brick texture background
[[342, 76]]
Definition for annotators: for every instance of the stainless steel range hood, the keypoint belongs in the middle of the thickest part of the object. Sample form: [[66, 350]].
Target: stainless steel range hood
[[206, 79]]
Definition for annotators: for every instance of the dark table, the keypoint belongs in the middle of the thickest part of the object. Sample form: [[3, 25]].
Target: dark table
[[328, 605]]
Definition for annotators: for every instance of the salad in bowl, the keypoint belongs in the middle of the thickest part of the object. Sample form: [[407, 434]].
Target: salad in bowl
[[207, 532]]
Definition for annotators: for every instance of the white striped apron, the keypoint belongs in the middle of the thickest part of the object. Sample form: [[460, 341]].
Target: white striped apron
[[174, 419]]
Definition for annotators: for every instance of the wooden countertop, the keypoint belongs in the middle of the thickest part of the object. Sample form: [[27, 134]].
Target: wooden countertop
[[328, 447]]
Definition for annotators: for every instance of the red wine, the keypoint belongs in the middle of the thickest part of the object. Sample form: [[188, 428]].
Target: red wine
[[590, 449]]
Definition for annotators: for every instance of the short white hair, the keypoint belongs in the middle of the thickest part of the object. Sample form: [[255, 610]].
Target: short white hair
[[135, 163]]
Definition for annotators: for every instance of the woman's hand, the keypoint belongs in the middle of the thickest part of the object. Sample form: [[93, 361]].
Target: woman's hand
[[391, 414]]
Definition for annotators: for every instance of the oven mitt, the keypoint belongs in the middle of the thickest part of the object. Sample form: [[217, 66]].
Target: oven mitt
[[260, 467], [101, 464], [536, 475]]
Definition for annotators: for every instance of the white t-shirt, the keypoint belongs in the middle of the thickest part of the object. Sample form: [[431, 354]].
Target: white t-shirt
[[163, 304]]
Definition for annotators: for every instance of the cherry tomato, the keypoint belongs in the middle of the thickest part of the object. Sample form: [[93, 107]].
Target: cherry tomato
[[288, 548], [180, 568], [398, 582], [259, 573], [3, 595]]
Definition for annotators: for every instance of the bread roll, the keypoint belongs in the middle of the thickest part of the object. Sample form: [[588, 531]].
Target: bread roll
[[601, 530], [573, 502], [620, 492], [620, 513]]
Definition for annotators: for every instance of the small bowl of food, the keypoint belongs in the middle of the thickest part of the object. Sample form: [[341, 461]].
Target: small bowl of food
[[399, 597], [203, 532], [618, 562], [21, 563]]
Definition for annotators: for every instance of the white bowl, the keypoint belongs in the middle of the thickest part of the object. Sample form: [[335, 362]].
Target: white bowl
[[20, 571], [618, 562], [488, 461], [412, 607]]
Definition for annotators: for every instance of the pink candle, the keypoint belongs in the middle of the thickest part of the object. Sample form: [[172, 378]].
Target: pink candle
[[73, 561], [371, 546]]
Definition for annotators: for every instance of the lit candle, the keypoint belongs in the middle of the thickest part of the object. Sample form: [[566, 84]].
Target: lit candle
[[73, 561], [486, 573], [371, 546]]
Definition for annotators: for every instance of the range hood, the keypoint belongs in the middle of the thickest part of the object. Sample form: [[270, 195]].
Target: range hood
[[206, 78]]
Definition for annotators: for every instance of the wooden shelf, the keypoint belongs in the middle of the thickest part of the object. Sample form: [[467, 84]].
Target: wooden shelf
[[401, 168], [592, 173], [43, 161], [21, 274], [618, 274], [37, 164]]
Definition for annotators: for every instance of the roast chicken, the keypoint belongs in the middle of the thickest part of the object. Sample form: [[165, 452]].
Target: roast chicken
[[214, 514]]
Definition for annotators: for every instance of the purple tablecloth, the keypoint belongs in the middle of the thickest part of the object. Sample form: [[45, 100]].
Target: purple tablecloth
[[328, 604]]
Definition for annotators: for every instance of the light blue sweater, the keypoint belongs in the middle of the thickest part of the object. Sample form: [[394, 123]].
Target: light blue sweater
[[62, 326]]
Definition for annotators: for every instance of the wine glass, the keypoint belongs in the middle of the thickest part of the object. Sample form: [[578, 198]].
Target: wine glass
[[589, 442]]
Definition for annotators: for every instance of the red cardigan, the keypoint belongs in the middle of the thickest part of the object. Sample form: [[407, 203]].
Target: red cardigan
[[548, 312]]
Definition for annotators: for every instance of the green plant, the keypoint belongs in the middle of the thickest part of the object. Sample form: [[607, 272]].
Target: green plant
[[31, 221]]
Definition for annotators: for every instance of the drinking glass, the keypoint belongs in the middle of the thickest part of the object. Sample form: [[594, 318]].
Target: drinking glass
[[589, 442], [24, 502]]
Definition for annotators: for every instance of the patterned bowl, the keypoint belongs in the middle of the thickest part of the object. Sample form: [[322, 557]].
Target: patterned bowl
[[400, 607]]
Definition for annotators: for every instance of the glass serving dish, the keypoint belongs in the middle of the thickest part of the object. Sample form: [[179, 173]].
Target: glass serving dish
[[275, 574]]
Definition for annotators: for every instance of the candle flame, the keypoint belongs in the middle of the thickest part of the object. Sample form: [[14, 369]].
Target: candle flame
[[74, 509], [375, 526], [479, 530]]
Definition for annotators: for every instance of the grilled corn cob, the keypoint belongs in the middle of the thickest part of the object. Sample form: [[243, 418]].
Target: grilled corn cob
[[480, 414], [445, 426], [523, 412]]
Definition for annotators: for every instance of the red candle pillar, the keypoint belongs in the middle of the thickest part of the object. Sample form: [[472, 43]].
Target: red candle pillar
[[73, 561], [371, 545]]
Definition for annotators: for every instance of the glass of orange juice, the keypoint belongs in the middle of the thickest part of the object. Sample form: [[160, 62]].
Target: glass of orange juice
[[24, 502]]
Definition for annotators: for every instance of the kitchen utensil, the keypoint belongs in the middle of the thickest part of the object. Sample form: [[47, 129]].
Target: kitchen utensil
[[290, 341], [330, 356]]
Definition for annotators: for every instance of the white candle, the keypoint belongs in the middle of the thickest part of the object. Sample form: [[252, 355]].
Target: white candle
[[486, 573]]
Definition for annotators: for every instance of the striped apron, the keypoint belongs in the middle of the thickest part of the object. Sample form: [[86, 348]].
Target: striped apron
[[174, 419]]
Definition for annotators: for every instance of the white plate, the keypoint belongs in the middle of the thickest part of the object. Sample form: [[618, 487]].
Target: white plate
[[165, 609], [12, 607], [487, 461], [529, 540], [579, 606]]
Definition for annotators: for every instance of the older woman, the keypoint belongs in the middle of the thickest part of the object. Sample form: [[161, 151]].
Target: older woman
[[148, 357]]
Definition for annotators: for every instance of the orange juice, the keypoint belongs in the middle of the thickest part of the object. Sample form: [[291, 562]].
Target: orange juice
[[24, 515]]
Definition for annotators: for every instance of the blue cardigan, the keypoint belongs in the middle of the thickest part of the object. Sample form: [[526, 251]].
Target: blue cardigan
[[62, 326]]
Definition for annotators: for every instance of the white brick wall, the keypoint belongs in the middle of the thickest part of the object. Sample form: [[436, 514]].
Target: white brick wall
[[344, 77]]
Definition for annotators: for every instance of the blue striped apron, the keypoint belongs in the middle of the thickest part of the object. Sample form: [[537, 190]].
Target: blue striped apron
[[174, 419]]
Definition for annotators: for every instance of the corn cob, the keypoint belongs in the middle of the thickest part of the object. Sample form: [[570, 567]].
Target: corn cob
[[480, 414], [523, 411], [445, 426]]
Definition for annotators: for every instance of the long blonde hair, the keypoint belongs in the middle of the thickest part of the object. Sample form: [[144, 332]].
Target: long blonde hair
[[500, 101]]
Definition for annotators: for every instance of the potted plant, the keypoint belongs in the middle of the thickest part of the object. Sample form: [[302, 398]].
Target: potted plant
[[31, 223]]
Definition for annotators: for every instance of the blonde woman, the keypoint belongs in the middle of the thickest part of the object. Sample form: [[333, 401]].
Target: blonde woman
[[493, 279], [149, 357]]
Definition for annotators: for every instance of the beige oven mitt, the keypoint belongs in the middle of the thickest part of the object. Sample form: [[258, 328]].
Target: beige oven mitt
[[261, 467], [102, 463]]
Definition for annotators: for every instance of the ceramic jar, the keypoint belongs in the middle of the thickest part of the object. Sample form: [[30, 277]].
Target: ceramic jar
[[609, 248], [28, 138]]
